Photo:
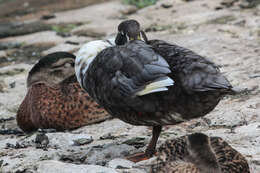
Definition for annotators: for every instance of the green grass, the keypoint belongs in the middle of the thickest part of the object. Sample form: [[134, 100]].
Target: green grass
[[140, 3], [65, 28]]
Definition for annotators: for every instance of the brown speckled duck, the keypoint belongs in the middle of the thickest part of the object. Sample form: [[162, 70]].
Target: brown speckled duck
[[150, 83], [54, 98], [198, 153]]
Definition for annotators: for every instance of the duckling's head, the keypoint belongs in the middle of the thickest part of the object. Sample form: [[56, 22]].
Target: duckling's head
[[129, 30], [52, 69], [201, 153]]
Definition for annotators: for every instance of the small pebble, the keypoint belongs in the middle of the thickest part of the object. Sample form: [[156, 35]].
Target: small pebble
[[41, 141], [82, 141], [164, 5], [12, 85]]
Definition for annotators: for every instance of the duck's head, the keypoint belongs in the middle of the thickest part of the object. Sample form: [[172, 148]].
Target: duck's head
[[129, 30], [201, 152], [52, 69]]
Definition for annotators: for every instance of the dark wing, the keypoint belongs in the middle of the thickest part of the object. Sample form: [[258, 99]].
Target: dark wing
[[204, 76], [195, 72], [122, 73]]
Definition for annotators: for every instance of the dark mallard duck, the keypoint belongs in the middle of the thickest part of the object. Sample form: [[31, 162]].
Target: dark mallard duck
[[54, 98], [198, 83], [152, 84], [198, 153]]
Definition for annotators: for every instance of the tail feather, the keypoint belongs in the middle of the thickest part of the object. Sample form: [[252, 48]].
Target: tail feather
[[156, 86]]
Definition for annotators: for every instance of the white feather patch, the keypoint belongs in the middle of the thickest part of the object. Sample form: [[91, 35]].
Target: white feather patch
[[87, 54], [157, 86]]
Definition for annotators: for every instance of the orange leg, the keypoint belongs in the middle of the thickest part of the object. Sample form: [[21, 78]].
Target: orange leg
[[151, 149]]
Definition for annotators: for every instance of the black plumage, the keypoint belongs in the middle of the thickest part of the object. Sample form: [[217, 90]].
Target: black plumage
[[117, 76], [199, 84]]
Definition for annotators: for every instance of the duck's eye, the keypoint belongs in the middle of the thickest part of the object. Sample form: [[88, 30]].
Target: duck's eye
[[68, 65], [57, 72]]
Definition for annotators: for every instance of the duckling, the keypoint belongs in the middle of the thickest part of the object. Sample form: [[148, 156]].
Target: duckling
[[54, 98], [198, 153], [198, 83]]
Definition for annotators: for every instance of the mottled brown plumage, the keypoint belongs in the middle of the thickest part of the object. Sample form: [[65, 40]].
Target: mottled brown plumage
[[54, 98], [198, 153]]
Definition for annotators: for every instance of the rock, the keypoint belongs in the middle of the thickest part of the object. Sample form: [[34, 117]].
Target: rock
[[82, 141], [52, 166], [44, 37], [166, 5], [222, 20], [254, 76], [107, 136], [228, 3], [100, 155], [15, 29], [65, 140], [120, 164], [62, 47], [28, 53], [9, 45], [11, 132], [138, 142], [249, 4], [129, 10], [11, 72], [72, 42], [251, 129], [12, 84], [89, 31], [6, 119], [229, 119], [2, 55], [2, 86], [155, 27], [131, 171], [78, 39], [41, 141], [48, 16]]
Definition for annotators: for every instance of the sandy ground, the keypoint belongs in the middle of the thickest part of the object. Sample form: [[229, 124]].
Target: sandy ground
[[229, 36]]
